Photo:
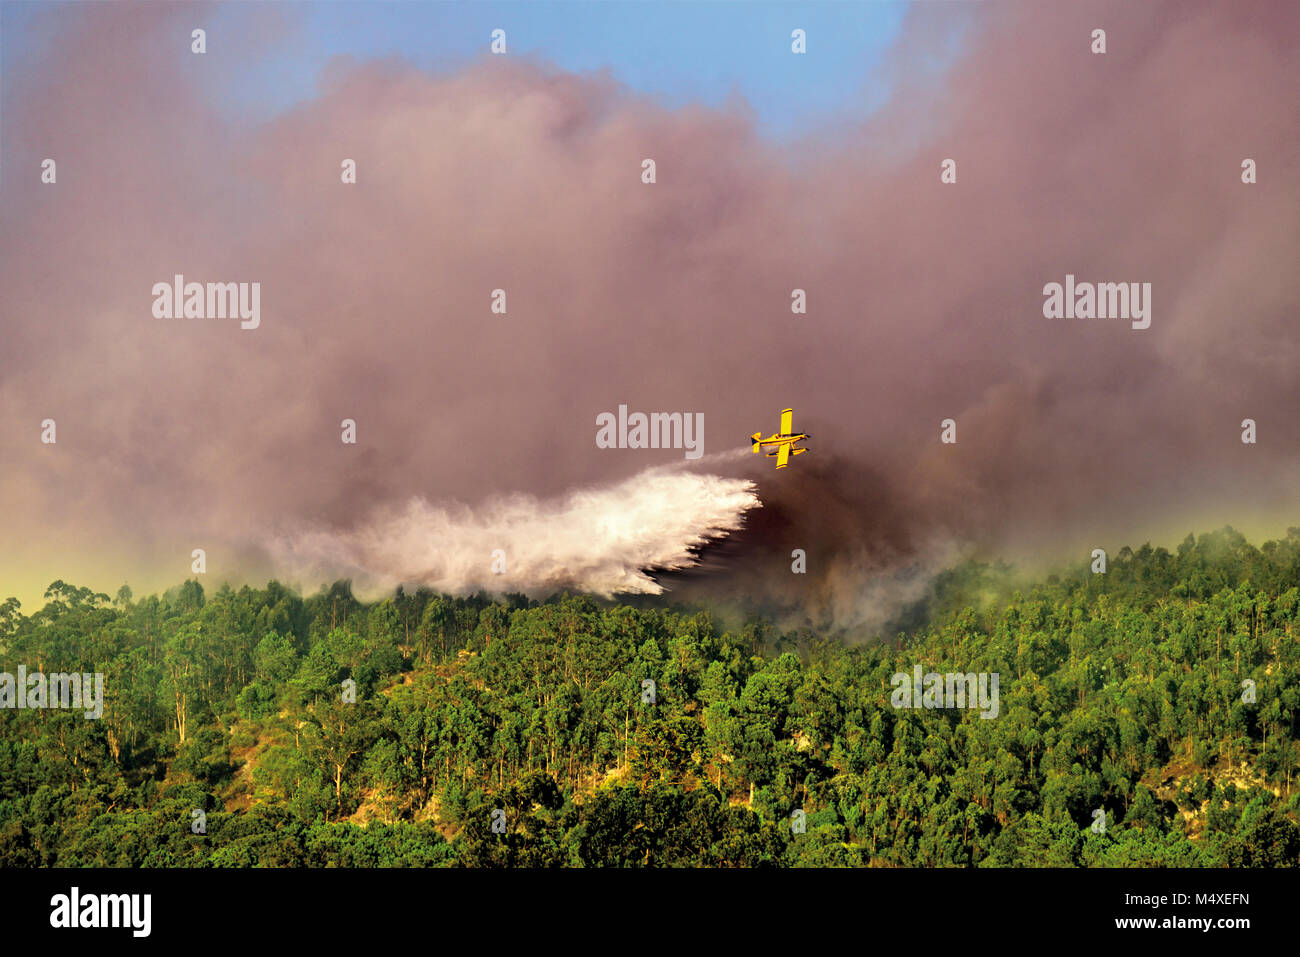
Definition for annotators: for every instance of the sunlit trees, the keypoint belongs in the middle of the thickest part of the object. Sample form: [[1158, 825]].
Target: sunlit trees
[[1164, 693]]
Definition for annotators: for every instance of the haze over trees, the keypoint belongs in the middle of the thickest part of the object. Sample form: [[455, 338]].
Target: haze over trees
[[514, 733]]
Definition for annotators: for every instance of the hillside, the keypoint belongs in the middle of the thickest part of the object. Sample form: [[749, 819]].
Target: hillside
[[1121, 692]]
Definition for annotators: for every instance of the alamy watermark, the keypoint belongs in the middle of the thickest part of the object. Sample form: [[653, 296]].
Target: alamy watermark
[[1103, 300], [656, 430], [952, 690], [78, 692], [75, 909], [179, 299]]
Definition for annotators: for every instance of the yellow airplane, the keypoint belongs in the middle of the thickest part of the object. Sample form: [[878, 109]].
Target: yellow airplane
[[783, 442]]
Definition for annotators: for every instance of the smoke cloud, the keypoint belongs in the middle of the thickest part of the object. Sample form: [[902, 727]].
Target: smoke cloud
[[475, 429]]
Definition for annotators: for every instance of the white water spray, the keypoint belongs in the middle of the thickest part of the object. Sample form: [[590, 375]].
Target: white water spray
[[600, 540]]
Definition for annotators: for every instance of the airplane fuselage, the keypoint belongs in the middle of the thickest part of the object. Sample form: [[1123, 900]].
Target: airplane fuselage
[[780, 445]]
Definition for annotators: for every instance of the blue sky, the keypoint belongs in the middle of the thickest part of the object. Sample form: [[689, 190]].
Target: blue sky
[[680, 50]]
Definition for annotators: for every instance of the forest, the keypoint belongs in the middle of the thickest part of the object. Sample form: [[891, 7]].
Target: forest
[[1147, 719]]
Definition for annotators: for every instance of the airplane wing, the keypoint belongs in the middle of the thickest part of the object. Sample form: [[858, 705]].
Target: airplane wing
[[787, 421], [783, 457]]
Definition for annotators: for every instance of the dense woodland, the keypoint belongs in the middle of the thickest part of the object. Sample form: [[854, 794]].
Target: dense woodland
[[1120, 691]]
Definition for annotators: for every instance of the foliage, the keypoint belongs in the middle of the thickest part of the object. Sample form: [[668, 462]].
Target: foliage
[[514, 733]]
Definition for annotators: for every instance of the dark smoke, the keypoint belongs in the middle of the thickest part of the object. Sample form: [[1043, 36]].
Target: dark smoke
[[925, 303]]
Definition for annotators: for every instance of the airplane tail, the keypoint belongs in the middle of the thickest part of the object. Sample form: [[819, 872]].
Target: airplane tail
[[754, 438]]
